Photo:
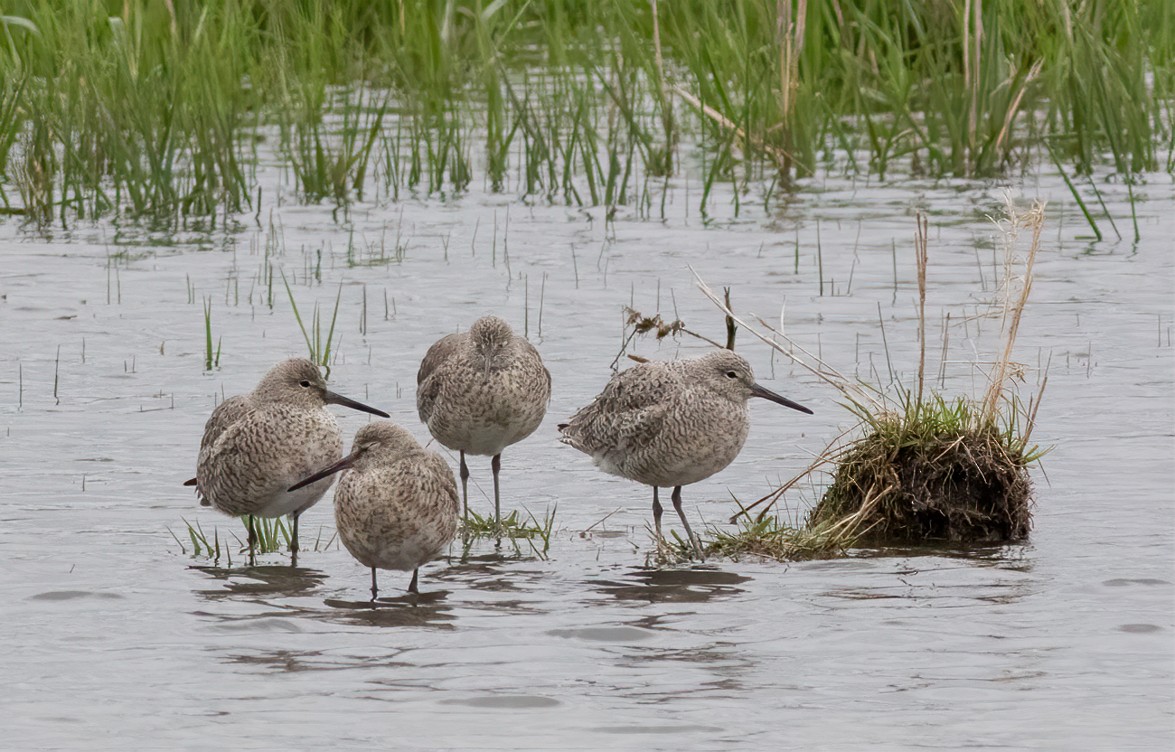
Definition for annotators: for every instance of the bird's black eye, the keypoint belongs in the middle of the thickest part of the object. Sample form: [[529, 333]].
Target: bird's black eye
[[304, 383], [731, 375]]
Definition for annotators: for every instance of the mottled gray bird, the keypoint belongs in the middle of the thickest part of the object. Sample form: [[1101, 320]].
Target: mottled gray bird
[[481, 391], [670, 423], [255, 445], [396, 506]]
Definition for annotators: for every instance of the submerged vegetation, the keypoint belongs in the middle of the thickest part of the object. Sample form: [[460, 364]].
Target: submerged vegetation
[[168, 111]]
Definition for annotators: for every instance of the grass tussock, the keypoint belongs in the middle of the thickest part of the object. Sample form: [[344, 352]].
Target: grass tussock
[[933, 473], [919, 466]]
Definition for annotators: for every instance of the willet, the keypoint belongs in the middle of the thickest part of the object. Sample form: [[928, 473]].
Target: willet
[[396, 508], [670, 423], [255, 445], [481, 391]]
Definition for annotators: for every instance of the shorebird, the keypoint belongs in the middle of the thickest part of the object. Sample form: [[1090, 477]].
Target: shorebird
[[670, 424], [481, 391], [396, 507], [255, 445]]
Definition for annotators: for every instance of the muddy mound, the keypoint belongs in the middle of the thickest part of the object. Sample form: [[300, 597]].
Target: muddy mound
[[967, 486]]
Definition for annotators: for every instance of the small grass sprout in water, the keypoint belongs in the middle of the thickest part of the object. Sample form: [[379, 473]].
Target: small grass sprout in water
[[318, 347], [513, 528], [273, 536]]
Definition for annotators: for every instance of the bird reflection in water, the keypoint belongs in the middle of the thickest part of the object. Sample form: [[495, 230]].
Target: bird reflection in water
[[694, 585], [283, 592]]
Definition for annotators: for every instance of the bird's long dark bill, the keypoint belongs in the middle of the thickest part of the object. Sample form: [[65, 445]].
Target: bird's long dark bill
[[759, 391], [342, 464], [338, 399]]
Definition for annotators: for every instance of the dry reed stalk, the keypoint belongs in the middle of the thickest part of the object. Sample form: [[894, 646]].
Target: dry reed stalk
[[779, 156], [789, 33], [1013, 309], [974, 33], [1033, 72], [920, 255]]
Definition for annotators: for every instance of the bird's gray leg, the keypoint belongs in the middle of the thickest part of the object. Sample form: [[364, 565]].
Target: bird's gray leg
[[252, 539], [681, 513], [294, 540], [657, 514], [465, 486], [496, 466], [374, 589], [412, 585]]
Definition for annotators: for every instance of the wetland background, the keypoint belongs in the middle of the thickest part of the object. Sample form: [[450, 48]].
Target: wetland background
[[165, 165]]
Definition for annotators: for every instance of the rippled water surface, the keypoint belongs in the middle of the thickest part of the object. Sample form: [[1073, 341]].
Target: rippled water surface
[[115, 638]]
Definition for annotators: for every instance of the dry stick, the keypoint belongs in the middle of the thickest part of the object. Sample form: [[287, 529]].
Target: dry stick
[[779, 156], [731, 329], [826, 373], [826, 457]]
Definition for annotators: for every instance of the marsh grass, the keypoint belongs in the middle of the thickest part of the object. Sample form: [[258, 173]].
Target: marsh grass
[[273, 536], [514, 528], [158, 110], [211, 356], [318, 347]]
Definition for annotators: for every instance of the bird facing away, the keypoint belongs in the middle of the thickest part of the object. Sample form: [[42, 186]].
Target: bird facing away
[[481, 391], [670, 423], [396, 506], [255, 445]]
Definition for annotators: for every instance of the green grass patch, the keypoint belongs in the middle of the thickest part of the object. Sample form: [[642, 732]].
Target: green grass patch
[[273, 536], [514, 528]]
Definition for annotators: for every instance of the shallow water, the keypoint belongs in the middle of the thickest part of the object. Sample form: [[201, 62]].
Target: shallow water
[[115, 638]]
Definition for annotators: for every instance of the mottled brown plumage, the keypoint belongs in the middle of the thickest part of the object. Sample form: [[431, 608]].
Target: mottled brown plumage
[[255, 445], [670, 423], [396, 503], [481, 391]]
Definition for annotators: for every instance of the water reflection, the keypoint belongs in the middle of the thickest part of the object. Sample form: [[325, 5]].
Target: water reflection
[[261, 582], [285, 588], [950, 575], [699, 584], [408, 610]]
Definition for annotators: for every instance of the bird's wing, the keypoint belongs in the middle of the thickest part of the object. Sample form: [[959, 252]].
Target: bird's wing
[[427, 386], [629, 411], [223, 417], [533, 352], [226, 415], [438, 354]]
